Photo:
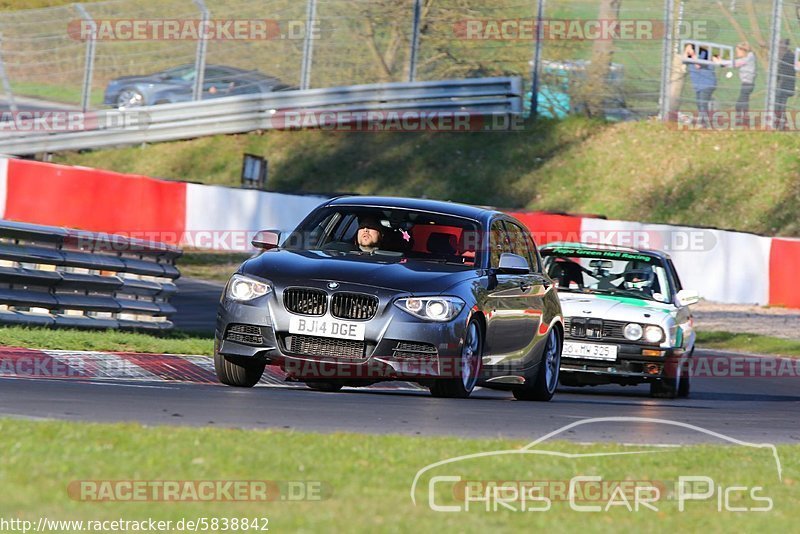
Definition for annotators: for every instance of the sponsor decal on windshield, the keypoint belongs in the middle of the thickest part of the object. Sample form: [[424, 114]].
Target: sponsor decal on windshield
[[602, 254]]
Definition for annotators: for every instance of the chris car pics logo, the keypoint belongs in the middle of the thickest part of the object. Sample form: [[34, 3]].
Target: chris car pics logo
[[452, 486]]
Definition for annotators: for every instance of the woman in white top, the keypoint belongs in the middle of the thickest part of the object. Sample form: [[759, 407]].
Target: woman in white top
[[746, 63]]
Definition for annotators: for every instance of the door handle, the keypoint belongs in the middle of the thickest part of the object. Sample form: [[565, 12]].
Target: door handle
[[525, 286]]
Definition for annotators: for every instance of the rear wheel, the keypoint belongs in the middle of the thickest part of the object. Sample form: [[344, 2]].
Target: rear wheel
[[234, 373], [469, 366], [547, 378]]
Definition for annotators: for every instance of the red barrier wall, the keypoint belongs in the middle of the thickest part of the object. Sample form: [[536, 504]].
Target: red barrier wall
[[784, 262], [547, 227], [92, 199]]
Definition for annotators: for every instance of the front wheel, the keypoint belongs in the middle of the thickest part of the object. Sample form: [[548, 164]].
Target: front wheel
[[469, 367], [130, 98], [547, 378], [232, 373], [674, 383]]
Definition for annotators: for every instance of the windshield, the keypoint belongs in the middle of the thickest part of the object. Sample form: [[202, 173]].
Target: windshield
[[388, 232], [627, 274]]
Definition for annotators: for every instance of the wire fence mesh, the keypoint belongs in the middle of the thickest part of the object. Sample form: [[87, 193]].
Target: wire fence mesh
[[622, 59]]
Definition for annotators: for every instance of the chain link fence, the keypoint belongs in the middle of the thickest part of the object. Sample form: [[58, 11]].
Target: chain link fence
[[620, 59]]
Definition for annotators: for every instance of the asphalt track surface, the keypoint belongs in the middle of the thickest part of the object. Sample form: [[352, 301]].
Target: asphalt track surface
[[757, 410]]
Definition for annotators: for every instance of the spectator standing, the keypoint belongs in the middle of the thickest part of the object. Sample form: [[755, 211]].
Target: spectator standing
[[704, 82], [786, 83]]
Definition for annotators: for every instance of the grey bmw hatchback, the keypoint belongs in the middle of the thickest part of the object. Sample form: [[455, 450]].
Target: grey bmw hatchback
[[369, 289]]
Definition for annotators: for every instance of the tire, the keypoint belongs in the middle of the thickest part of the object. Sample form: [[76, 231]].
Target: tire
[[129, 98], [546, 383], [685, 385], [328, 387], [469, 365], [234, 374], [670, 386]]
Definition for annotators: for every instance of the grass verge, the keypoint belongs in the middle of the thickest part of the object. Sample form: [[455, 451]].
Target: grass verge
[[210, 266], [365, 480], [175, 342], [752, 343]]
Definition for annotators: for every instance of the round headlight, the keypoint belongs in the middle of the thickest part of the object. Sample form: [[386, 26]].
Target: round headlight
[[633, 331], [436, 309], [413, 305], [241, 290], [653, 334]]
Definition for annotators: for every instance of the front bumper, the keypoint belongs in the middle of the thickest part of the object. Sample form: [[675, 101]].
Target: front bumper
[[396, 346], [635, 363]]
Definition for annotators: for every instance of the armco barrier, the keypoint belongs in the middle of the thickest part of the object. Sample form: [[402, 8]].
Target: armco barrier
[[726, 266], [474, 97], [52, 276]]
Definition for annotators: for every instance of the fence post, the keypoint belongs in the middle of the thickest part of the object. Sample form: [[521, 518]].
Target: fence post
[[200, 56], [774, 55], [536, 67], [12, 105], [666, 61], [678, 25], [88, 68], [308, 45], [412, 62]]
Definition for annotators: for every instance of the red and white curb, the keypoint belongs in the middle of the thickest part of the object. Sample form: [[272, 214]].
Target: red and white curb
[[17, 362]]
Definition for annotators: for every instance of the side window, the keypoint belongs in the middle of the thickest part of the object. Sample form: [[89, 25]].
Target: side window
[[676, 281], [536, 260], [519, 244], [346, 229], [499, 243]]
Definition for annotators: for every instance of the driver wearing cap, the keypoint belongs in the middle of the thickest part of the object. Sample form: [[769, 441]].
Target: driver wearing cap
[[370, 233]]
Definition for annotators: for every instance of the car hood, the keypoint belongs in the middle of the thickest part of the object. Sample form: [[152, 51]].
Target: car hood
[[614, 307], [396, 274]]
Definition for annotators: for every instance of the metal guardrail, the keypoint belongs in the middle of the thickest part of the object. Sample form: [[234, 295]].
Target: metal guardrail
[[51, 276], [239, 114]]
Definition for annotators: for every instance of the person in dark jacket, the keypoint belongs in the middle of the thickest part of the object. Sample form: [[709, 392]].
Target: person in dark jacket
[[704, 82], [786, 83]]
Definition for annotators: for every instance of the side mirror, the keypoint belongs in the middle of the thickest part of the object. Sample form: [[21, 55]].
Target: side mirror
[[266, 239], [513, 264], [687, 297]]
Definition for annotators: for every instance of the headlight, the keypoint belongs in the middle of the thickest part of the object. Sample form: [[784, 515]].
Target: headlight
[[633, 331], [653, 334], [242, 288], [432, 308]]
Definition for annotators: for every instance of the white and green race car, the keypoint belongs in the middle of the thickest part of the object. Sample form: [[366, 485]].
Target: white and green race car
[[626, 317]]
